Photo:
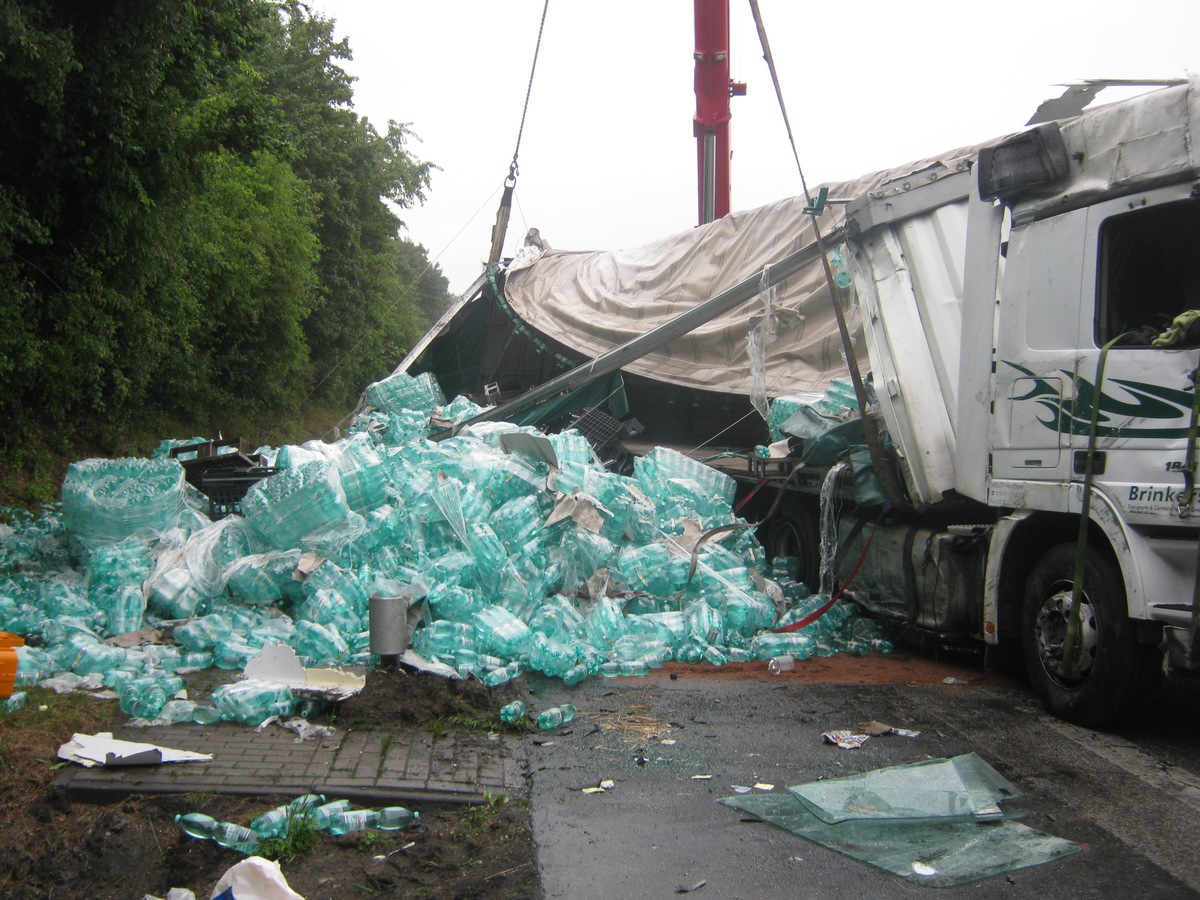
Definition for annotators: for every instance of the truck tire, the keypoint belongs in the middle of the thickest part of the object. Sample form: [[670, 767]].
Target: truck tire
[[792, 531], [1111, 667]]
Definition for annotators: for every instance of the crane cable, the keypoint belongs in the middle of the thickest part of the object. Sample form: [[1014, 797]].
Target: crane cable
[[505, 210], [879, 458]]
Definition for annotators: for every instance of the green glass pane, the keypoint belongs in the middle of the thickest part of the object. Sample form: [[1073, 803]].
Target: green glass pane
[[964, 787], [936, 855]]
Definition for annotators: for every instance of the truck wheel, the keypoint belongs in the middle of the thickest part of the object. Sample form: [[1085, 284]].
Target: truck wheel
[[1110, 665], [792, 531]]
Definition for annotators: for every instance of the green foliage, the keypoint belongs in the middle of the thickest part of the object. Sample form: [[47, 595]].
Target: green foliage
[[193, 220], [363, 316], [368, 841], [298, 840], [240, 280]]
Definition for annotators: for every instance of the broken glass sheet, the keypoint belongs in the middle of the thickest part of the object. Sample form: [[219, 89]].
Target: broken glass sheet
[[935, 855], [935, 790]]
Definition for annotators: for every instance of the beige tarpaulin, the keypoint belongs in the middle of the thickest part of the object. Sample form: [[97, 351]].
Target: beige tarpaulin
[[597, 300]]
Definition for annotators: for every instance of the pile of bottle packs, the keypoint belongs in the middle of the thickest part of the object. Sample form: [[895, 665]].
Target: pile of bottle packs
[[518, 561]]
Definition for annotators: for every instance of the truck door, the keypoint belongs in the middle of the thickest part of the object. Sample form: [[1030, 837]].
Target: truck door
[[1037, 339], [1142, 273]]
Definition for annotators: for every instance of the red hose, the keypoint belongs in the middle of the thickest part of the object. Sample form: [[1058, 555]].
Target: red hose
[[813, 616]]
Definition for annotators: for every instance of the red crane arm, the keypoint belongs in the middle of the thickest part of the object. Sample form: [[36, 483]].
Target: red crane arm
[[711, 122]]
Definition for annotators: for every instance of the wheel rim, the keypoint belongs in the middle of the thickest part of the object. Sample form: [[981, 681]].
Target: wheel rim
[[1050, 632]]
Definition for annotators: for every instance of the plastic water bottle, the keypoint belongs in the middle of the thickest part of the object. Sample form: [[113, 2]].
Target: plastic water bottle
[[324, 813], [555, 716], [503, 674], [393, 818], [197, 825], [143, 697], [275, 821], [206, 715], [780, 664], [236, 837], [575, 674], [351, 820], [177, 711], [271, 823], [512, 712], [715, 655]]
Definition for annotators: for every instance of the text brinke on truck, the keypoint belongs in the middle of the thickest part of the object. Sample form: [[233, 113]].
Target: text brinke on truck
[[1022, 336]]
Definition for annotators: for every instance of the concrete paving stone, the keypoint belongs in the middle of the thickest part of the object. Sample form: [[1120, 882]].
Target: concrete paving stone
[[455, 768]]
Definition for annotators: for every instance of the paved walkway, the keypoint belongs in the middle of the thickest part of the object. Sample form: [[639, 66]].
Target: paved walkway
[[370, 767]]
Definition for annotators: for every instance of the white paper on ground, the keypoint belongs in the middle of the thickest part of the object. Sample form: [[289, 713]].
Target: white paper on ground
[[103, 750]]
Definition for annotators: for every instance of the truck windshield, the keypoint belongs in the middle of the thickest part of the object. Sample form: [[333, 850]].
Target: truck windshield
[[1150, 277]]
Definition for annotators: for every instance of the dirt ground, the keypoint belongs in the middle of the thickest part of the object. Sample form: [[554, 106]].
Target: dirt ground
[[51, 847]]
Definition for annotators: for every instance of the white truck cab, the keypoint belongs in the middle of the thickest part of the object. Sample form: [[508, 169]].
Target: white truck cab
[[1028, 317]]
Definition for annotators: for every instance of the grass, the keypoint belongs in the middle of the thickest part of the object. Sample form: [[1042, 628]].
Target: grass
[[32, 471], [385, 744], [368, 840], [439, 725], [29, 741], [299, 839], [470, 723]]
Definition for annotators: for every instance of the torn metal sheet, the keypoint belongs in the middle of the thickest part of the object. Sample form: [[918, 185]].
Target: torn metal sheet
[[103, 750], [531, 445]]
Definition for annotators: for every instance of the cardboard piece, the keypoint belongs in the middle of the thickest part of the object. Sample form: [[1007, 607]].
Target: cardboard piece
[[103, 750], [586, 512], [278, 663], [539, 448]]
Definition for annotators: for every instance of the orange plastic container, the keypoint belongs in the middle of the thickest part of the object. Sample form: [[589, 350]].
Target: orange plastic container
[[8, 661]]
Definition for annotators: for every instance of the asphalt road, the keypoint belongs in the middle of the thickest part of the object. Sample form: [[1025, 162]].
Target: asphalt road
[[1130, 799]]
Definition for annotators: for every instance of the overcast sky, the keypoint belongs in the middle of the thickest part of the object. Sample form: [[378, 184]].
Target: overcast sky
[[607, 157]]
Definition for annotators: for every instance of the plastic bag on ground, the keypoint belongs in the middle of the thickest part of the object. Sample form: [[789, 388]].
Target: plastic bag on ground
[[254, 878]]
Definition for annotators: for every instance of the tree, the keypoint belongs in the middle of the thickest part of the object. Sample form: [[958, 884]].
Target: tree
[[361, 314], [95, 93], [193, 219]]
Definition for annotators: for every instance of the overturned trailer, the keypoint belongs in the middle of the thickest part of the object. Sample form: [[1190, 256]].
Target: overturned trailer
[[1024, 315]]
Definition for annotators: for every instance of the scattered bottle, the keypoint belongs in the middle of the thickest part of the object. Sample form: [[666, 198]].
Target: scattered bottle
[[780, 664], [512, 712], [393, 818], [503, 674], [324, 813], [715, 655], [206, 715], [575, 674], [351, 820], [555, 716], [275, 822], [197, 825], [236, 837]]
